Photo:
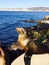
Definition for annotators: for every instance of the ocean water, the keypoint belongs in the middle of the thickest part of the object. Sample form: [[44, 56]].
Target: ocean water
[[9, 20]]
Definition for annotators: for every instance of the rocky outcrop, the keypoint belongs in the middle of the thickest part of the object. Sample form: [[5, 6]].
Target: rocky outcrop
[[39, 33], [44, 20], [42, 59], [33, 21]]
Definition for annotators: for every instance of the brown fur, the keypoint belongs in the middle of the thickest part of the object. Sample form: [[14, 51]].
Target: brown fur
[[32, 46], [2, 57], [22, 36]]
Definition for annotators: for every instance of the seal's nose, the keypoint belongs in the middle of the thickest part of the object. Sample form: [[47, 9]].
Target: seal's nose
[[18, 30]]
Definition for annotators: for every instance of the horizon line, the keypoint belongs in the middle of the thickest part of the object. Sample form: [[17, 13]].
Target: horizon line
[[24, 7]]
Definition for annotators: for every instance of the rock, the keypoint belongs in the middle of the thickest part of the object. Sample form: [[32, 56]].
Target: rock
[[40, 59], [39, 32], [19, 60], [29, 21], [46, 18], [45, 21]]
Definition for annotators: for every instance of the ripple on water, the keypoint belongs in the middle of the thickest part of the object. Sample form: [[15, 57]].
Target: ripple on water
[[8, 32], [10, 20]]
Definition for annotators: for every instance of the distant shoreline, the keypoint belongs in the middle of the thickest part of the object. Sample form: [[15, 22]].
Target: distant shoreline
[[21, 11], [40, 9]]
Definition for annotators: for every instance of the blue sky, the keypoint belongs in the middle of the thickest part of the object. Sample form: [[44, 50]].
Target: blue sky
[[23, 3]]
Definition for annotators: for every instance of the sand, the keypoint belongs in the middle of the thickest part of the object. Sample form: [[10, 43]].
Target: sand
[[42, 59]]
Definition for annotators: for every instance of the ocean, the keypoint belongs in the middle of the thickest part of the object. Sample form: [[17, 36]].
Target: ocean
[[9, 20]]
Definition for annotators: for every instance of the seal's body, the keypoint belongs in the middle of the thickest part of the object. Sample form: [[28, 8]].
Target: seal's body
[[30, 46]]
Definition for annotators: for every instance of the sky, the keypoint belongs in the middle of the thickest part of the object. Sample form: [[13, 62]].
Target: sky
[[23, 3]]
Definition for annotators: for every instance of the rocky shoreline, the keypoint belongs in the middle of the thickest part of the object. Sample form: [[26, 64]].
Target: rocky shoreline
[[39, 33], [44, 20]]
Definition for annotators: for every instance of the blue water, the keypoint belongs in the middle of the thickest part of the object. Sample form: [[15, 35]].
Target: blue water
[[10, 20]]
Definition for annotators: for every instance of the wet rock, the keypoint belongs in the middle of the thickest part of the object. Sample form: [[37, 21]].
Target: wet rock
[[39, 32], [46, 18], [29, 21], [40, 59]]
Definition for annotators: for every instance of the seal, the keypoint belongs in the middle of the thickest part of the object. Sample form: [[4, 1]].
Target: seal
[[29, 44], [31, 47]]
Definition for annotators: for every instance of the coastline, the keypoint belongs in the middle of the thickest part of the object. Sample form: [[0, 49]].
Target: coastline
[[33, 9]]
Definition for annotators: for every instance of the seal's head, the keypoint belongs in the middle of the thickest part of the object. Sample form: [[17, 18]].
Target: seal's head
[[22, 37], [21, 30]]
